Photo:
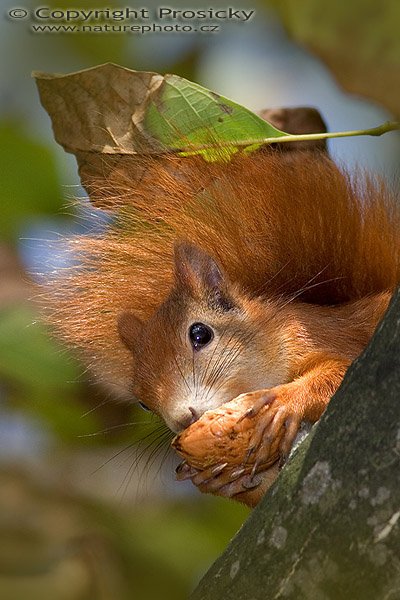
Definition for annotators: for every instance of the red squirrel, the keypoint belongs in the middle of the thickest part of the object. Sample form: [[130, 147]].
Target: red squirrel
[[263, 277]]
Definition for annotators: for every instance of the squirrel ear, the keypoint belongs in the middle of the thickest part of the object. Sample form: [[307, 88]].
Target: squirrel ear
[[129, 328], [199, 273]]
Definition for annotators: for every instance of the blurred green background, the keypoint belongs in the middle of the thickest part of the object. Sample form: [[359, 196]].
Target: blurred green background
[[89, 508]]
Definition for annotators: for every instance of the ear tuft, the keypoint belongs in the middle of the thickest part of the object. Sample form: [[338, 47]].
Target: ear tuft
[[129, 329], [199, 274], [195, 268]]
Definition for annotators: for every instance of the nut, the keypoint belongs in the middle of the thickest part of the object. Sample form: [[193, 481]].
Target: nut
[[224, 436]]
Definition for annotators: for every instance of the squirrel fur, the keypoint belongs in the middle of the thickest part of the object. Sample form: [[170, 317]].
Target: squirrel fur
[[287, 258]]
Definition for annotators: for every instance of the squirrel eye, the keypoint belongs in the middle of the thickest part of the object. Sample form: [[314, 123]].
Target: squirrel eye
[[144, 407], [200, 335]]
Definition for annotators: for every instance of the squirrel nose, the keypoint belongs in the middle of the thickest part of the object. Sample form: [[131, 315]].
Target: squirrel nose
[[188, 419]]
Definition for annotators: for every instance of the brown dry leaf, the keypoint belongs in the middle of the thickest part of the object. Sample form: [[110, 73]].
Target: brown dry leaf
[[98, 109]]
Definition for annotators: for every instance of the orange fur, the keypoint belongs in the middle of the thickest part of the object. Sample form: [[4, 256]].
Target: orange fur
[[281, 226]]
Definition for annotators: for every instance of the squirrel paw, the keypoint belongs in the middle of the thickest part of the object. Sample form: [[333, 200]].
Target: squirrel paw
[[283, 412]]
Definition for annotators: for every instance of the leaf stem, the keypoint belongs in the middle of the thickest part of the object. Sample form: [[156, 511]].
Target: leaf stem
[[375, 131]]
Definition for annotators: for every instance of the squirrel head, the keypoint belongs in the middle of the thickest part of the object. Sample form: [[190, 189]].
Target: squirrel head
[[202, 346]]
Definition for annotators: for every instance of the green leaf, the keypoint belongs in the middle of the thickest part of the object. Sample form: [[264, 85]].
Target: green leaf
[[184, 114]]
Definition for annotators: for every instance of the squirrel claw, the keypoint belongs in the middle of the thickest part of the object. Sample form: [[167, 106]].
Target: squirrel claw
[[249, 452], [183, 466], [247, 414], [251, 482], [184, 471], [292, 427], [271, 431], [201, 478], [218, 469], [282, 461], [260, 401], [237, 473]]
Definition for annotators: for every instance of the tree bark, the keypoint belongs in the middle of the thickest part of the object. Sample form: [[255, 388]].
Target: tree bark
[[329, 528]]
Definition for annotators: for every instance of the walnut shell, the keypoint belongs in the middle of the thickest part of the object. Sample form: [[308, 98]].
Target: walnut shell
[[219, 436]]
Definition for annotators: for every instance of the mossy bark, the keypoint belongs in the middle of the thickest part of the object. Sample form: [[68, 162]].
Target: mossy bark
[[329, 528]]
